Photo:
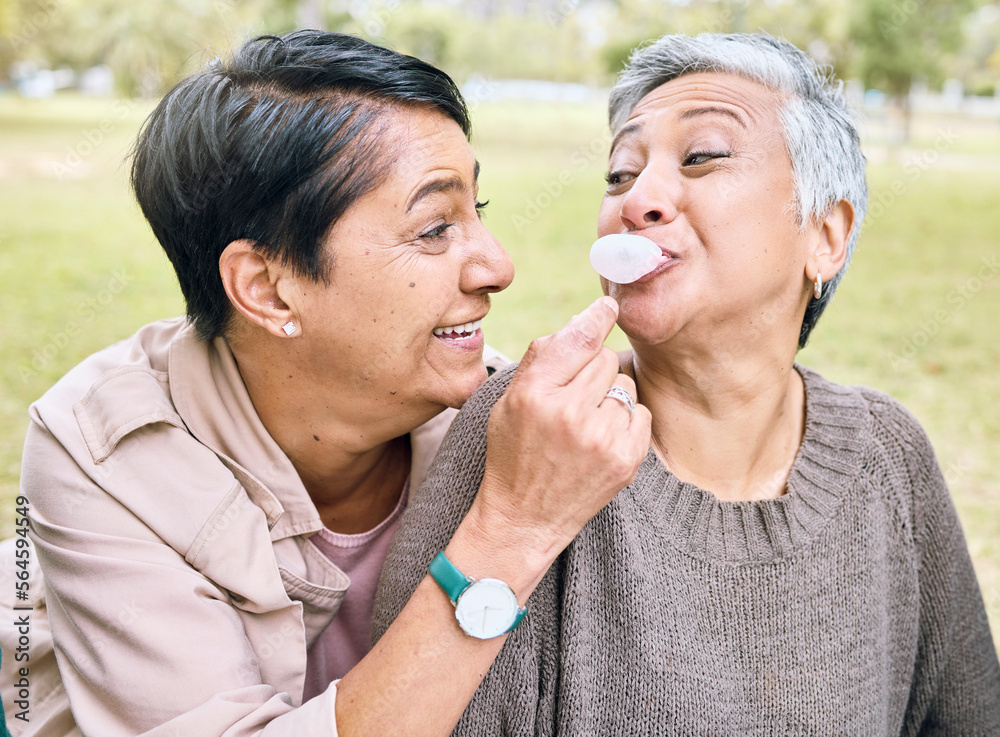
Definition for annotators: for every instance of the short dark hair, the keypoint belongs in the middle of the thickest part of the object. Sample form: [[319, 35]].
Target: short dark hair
[[273, 146]]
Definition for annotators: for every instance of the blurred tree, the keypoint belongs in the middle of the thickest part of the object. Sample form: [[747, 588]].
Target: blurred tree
[[978, 60], [311, 14], [150, 44], [816, 27], [898, 41], [531, 43], [147, 45], [21, 21]]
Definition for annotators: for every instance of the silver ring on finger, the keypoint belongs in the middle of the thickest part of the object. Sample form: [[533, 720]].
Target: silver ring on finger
[[616, 392]]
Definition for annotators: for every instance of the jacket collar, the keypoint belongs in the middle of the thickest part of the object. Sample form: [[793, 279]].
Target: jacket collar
[[209, 394]]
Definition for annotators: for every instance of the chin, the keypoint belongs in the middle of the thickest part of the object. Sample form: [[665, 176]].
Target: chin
[[464, 386], [654, 312], [646, 329], [636, 317]]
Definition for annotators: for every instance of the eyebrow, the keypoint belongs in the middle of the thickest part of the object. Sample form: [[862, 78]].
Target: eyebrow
[[633, 129], [712, 110], [627, 131], [440, 185]]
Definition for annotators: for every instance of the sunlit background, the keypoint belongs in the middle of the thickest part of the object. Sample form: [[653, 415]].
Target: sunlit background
[[916, 316]]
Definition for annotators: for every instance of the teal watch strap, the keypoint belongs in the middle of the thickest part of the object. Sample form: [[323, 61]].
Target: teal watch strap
[[448, 577], [520, 615]]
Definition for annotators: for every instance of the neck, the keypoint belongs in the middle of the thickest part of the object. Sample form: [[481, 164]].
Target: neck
[[731, 425], [352, 456], [367, 491]]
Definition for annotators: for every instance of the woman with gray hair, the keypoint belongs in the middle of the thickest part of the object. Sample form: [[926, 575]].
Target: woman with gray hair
[[788, 559]]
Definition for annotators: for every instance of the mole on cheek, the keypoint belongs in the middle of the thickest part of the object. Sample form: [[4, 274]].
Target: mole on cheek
[[413, 284]]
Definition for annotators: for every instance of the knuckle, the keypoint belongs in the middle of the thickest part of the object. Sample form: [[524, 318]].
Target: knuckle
[[644, 419], [608, 359], [538, 344], [582, 336], [528, 358], [626, 383], [566, 420], [523, 399], [597, 444]]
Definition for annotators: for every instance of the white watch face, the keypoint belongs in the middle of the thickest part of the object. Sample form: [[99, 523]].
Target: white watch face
[[486, 609]]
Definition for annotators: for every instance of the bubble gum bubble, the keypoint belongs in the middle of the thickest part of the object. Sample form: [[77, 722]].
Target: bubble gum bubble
[[623, 258]]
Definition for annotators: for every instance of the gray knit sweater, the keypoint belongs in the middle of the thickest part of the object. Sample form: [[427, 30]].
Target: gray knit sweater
[[848, 606]]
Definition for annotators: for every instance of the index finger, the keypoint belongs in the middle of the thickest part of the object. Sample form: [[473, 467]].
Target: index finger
[[564, 353]]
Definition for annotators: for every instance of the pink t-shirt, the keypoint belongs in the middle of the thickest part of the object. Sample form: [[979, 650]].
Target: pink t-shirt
[[346, 640]]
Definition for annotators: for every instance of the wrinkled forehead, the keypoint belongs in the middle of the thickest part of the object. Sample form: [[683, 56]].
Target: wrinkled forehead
[[749, 101], [415, 138]]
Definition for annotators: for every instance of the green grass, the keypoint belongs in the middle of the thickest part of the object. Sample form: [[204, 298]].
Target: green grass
[[915, 317]]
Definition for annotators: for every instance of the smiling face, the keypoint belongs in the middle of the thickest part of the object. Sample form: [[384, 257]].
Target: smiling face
[[412, 267], [701, 168]]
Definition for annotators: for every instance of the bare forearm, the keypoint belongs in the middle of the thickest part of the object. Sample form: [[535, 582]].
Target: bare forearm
[[423, 672]]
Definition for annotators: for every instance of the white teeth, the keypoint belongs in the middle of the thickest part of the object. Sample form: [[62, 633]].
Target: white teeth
[[465, 328]]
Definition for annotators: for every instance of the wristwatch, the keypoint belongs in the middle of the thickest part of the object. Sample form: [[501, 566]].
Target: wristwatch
[[485, 608]]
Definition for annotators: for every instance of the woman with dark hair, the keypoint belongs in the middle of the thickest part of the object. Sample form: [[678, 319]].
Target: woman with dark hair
[[211, 500], [788, 560]]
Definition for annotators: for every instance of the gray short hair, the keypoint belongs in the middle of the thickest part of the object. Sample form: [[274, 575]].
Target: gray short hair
[[820, 132]]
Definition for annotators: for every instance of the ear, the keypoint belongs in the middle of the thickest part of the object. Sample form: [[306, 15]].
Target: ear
[[830, 252], [254, 285]]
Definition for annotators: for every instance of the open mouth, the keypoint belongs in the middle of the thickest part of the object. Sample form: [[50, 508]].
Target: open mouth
[[465, 331]]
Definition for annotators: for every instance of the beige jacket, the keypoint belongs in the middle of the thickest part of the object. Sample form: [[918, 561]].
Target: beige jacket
[[181, 587]]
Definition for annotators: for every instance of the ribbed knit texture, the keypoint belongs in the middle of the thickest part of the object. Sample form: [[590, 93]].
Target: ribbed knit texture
[[848, 606]]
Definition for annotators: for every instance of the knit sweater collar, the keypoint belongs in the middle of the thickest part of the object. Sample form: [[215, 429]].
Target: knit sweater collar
[[697, 523]]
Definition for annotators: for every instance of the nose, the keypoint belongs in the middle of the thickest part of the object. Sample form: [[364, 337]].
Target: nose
[[488, 268], [651, 200]]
